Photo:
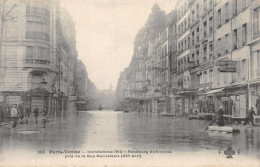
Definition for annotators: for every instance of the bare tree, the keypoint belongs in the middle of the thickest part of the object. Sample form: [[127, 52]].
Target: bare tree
[[7, 6]]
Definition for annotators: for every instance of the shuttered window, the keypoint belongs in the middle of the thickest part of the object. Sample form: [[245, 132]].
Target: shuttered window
[[244, 34], [234, 7], [234, 37], [226, 11]]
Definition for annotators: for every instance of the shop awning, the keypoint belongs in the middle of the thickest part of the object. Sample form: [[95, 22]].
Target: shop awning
[[214, 91]]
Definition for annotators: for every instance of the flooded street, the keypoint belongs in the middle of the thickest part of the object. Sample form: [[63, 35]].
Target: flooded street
[[110, 130]]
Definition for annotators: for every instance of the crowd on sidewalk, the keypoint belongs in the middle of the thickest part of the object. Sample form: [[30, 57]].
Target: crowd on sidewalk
[[21, 114]]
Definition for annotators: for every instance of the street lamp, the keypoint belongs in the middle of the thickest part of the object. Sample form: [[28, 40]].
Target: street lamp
[[43, 83]]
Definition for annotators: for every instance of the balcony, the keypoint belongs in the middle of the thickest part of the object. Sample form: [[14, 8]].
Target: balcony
[[36, 63]]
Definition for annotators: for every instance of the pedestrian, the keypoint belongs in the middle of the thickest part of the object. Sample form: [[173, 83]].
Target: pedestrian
[[27, 113], [21, 112], [250, 116], [44, 117], [258, 105], [14, 115], [36, 114], [195, 110], [220, 117]]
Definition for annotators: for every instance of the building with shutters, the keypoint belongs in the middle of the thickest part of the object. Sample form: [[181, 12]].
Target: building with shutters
[[254, 45], [232, 35]]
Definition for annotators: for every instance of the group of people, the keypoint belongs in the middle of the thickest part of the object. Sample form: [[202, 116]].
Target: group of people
[[249, 116], [22, 114]]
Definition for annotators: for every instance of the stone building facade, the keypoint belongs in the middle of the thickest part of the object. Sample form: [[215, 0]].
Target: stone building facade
[[38, 56]]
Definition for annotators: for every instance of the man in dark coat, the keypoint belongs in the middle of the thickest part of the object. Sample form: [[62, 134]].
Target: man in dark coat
[[27, 113], [250, 116], [220, 117], [36, 114]]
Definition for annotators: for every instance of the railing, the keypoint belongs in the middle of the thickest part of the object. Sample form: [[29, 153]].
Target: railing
[[36, 63]]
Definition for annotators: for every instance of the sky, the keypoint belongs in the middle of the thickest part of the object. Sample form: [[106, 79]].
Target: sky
[[105, 33]]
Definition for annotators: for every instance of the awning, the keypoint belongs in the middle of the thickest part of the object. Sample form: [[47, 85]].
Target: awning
[[214, 91]]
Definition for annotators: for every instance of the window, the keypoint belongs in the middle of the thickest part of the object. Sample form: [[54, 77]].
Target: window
[[219, 18], [243, 4], [244, 34], [211, 47], [43, 53], [197, 11], [205, 77], [210, 75], [243, 70], [227, 43], [258, 63], [234, 39], [205, 53], [188, 42], [205, 28], [234, 7], [29, 52], [210, 25], [193, 16], [256, 23], [226, 12], [193, 37], [198, 34], [205, 5], [219, 47], [197, 57]]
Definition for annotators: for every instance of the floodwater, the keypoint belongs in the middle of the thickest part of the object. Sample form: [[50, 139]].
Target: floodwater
[[182, 142]]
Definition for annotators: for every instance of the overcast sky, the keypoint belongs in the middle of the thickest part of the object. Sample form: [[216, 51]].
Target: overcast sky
[[105, 33]]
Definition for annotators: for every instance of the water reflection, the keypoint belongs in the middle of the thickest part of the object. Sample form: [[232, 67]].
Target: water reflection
[[118, 130]]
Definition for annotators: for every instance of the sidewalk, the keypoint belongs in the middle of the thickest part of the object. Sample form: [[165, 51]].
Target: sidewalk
[[31, 124]]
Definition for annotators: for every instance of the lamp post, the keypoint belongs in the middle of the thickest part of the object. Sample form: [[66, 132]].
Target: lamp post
[[43, 83]]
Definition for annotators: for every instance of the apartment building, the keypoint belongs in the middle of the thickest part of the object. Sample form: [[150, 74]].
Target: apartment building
[[172, 48], [183, 51], [35, 56], [232, 55], [254, 63], [28, 52]]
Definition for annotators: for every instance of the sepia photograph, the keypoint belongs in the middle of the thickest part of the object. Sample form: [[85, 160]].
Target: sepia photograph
[[130, 83]]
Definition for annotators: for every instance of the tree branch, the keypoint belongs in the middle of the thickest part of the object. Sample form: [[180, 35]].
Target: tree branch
[[10, 11]]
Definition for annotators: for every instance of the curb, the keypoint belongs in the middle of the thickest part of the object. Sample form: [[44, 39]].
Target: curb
[[4, 124]]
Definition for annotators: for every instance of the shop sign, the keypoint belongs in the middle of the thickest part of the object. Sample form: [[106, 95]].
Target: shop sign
[[227, 66], [206, 65]]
